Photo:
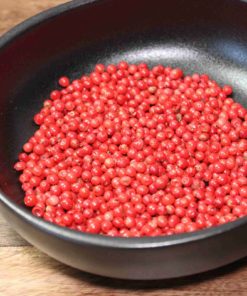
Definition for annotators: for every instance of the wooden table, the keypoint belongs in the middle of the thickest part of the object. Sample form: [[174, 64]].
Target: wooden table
[[26, 271]]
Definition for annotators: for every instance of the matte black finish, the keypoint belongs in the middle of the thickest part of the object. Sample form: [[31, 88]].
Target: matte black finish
[[70, 39]]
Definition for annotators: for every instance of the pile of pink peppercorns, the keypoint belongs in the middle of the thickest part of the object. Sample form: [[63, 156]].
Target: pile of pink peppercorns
[[131, 151]]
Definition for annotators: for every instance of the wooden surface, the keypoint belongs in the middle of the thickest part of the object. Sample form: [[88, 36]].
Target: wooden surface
[[26, 271]]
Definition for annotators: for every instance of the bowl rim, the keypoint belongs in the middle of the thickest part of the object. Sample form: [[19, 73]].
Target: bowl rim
[[86, 238]]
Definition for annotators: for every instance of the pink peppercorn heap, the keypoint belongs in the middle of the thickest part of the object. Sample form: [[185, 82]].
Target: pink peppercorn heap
[[131, 151]]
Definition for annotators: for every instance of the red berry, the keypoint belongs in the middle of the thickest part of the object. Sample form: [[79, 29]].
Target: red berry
[[132, 151], [64, 81]]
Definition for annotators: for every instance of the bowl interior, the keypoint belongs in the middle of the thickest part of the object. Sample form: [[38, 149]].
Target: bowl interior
[[190, 34]]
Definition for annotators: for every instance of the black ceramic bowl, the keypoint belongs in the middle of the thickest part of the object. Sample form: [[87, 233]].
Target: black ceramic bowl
[[208, 36]]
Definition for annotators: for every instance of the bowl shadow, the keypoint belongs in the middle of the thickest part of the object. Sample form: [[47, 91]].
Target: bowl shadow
[[184, 282]]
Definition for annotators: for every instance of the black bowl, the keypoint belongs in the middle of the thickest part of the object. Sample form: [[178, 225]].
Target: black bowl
[[69, 39]]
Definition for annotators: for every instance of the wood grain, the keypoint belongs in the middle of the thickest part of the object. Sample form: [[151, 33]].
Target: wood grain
[[13, 12], [8, 237], [25, 270]]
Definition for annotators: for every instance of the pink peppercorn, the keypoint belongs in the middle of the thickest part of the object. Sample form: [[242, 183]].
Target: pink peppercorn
[[132, 151]]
